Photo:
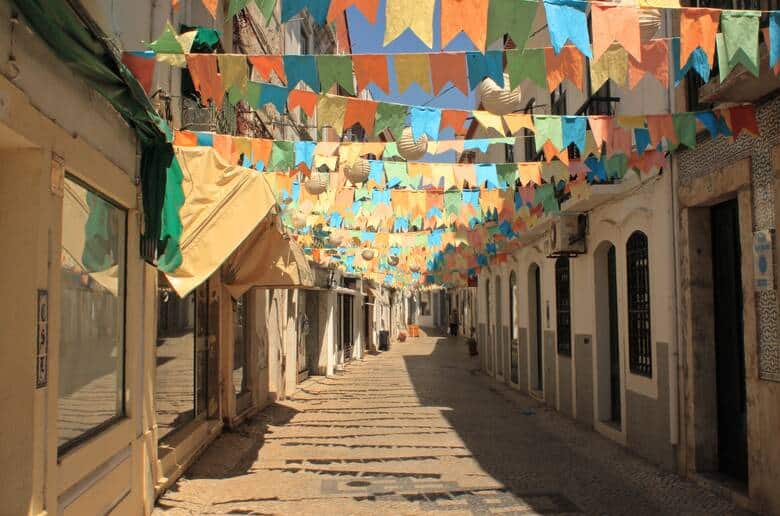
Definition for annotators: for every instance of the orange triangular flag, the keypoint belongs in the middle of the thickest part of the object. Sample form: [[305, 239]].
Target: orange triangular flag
[[465, 16], [661, 126], [454, 118], [449, 67], [261, 150], [205, 78], [306, 100], [529, 173], [698, 27], [615, 23], [516, 121], [211, 7], [569, 64], [601, 127], [360, 112], [223, 144], [655, 60], [264, 65], [185, 139], [371, 68], [367, 7]]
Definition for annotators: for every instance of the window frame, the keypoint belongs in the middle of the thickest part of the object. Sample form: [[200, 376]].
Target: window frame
[[563, 305], [639, 322], [68, 446]]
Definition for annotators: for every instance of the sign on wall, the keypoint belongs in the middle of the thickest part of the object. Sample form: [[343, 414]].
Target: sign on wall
[[763, 264], [42, 340]]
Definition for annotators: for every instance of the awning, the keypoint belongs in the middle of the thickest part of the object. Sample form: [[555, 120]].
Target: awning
[[223, 204], [267, 259]]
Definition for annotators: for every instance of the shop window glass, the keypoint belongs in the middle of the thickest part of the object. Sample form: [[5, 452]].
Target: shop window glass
[[92, 344], [181, 357]]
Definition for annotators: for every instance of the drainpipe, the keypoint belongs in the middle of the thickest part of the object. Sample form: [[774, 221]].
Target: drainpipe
[[674, 358]]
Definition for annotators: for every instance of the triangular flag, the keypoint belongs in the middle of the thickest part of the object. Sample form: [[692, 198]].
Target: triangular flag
[[568, 64], [233, 70], [370, 68], [548, 127], [367, 7], [264, 65], [698, 27], [416, 15], [273, 94], [739, 42], [167, 42], [510, 17], [301, 69], [205, 78], [489, 121], [655, 61], [568, 20], [211, 7], [613, 64], [743, 117], [615, 23], [412, 68], [490, 64], [449, 67], [465, 16], [661, 126], [335, 69], [318, 9], [574, 128], [425, 121], [455, 119], [773, 41], [685, 129], [141, 65], [516, 121], [526, 64], [391, 117], [235, 7], [360, 112], [266, 9], [331, 111], [306, 100]]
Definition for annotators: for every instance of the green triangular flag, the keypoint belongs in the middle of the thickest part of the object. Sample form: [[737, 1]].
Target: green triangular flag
[[740, 34], [235, 6], [548, 127], [685, 128], [391, 151], [282, 156], [512, 17], [452, 201], [253, 90], [267, 9], [507, 174], [390, 116], [617, 165], [167, 42], [744, 53], [335, 70], [526, 64]]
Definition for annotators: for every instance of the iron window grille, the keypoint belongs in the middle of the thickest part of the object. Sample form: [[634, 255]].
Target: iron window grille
[[563, 305], [638, 276]]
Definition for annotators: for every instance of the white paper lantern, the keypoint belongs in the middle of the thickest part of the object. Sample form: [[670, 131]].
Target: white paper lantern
[[299, 219], [392, 260], [408, 148], [498, 100], [317, 183], [336, 239], [358, 171], [367, 254], [414, 268]]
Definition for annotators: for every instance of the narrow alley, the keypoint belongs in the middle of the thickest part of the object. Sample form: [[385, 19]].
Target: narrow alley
[[420, 429]]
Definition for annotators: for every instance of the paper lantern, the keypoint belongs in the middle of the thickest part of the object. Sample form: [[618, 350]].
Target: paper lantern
[[367, 254], [498, 100], [335, 239], [358, 171], [409, 148], [299, 219], [414, 268], [392, 260], [317, 183], [649, 23]]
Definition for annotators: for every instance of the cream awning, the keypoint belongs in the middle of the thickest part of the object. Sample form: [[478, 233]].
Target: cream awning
[[223, 204], [267, 259]]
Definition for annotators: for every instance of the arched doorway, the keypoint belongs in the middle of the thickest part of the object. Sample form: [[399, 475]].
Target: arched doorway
[[609, 375], [535, 326], [514, 331], [498, 334]]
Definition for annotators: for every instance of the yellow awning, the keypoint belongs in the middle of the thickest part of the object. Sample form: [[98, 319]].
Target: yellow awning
[[267, 259], [223, 203]]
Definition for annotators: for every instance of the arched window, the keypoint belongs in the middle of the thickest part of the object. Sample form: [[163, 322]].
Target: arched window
[[638, 279], [563, 305]]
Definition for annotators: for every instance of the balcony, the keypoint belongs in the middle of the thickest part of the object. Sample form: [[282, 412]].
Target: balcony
[[195, 117], [741, 85]]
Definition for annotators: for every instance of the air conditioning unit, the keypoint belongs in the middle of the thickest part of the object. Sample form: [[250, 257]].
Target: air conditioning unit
[[566, 236]]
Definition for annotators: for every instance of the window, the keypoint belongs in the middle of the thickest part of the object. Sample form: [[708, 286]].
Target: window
[[241, 344], [92, 345], [563, 305], [638, 277], [425, 303], [181, 355], [529, 140], [513, 296]]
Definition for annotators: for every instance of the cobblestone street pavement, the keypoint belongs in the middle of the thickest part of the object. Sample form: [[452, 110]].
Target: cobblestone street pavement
[[419, 430]]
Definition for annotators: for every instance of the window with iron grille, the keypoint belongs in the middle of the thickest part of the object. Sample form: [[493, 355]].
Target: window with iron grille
[[563, 305], [638, 277]]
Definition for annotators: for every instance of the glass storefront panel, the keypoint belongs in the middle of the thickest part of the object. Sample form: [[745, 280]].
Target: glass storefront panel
[[92, 347]]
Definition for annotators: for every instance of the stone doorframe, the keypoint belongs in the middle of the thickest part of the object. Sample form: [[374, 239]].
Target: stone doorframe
[[698, 398]]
